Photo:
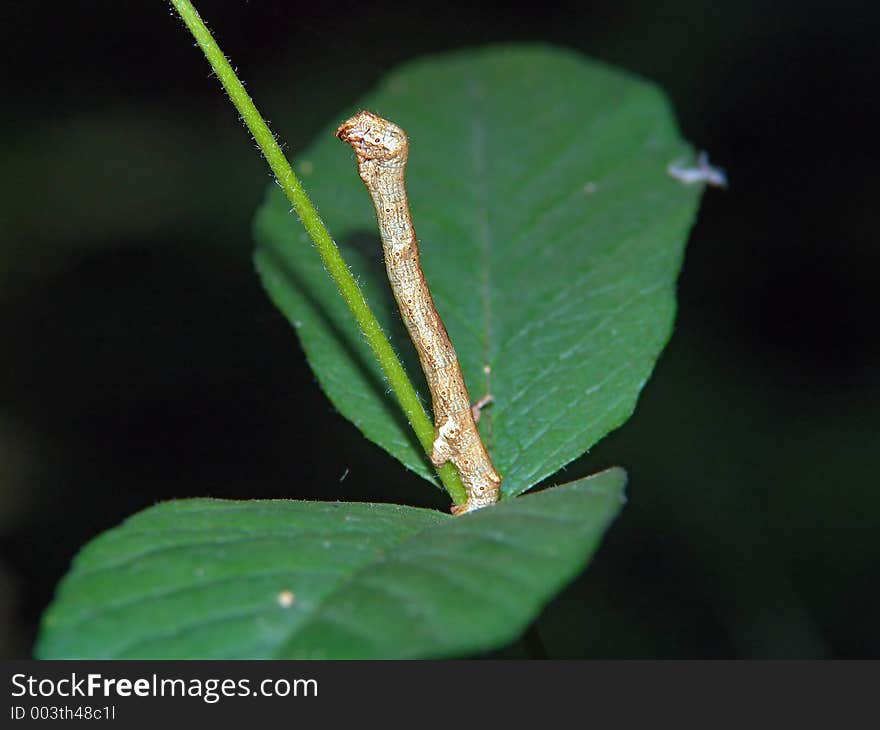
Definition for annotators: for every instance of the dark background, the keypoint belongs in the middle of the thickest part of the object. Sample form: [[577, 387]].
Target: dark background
[[140, 360]]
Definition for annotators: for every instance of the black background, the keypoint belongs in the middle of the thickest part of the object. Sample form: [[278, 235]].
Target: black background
[[140, 360]]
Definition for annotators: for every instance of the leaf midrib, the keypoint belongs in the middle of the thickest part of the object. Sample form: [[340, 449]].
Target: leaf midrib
[[483, 233]]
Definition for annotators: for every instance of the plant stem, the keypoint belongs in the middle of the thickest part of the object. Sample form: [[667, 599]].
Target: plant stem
[[333, 261]]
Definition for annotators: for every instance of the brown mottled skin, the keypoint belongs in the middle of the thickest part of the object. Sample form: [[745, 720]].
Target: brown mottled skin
[[382, 149]]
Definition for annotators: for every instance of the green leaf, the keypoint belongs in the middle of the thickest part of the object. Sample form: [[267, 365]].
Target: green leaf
[[551, 237], [206, 578]]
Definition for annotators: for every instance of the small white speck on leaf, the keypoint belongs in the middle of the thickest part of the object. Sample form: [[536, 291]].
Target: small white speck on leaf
[[286, 599], [590, 188]]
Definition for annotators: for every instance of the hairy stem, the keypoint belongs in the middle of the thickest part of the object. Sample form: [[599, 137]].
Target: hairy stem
[[333, 261]]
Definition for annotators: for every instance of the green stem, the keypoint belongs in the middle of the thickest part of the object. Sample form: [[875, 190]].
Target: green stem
[[333, 261]]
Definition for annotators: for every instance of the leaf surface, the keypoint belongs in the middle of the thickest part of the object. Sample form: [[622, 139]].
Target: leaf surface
[[551, 236], [207, 578]]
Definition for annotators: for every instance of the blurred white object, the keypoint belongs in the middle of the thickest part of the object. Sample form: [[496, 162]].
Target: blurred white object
[[703, 172]]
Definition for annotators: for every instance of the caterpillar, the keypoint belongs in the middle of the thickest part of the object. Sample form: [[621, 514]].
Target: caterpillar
[[382, 149]]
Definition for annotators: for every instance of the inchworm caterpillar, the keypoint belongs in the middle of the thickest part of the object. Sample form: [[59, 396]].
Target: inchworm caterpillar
[[382, 149]]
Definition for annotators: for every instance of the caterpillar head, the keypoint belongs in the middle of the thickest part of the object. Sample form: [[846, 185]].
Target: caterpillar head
[[374, 139]]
